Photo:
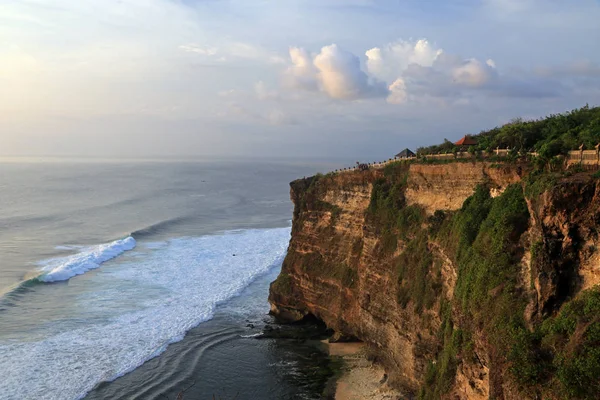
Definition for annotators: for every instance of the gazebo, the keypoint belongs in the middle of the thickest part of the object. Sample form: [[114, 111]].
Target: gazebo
[[466, 141], [406, 153]]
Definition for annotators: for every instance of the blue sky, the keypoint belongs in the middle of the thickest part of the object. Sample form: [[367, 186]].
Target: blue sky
[[321, 78]]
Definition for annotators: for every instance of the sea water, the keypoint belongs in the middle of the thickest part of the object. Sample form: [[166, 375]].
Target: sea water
[[143, 279]]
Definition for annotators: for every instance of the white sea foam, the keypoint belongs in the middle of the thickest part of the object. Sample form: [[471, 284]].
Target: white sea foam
[[61, 269], [171, 290], [254, 335], [68, 247]]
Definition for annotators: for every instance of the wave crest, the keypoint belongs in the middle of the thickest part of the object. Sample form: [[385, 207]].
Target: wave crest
[[64, 268]]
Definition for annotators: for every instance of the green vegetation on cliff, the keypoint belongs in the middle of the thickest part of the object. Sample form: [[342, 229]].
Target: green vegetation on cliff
[[561, 352], [573, 337], [512, 311], [482, 238], [418, 274], [556, 134]]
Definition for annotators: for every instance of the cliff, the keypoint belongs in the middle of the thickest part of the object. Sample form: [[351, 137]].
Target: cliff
[[466, 280]]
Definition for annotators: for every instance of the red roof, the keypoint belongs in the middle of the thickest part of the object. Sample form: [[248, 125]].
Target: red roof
[[466, 141]]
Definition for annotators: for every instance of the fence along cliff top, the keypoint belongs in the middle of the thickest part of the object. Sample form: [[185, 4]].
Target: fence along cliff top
[[581, 156]]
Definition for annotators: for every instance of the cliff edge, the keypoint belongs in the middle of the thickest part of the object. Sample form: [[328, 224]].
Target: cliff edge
[[465, 280]]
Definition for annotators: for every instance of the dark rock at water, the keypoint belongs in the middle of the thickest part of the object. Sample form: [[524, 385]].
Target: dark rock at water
[[308, 329]]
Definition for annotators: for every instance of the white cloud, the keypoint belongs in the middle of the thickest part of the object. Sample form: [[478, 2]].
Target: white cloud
[[387, 63], [194, 48], [302, 74], [333, 71], [391, 63], [341, 77], [395, 71], [406, 72], [398, 93]]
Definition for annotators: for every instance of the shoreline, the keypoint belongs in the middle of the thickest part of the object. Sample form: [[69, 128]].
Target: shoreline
[[358, 378]]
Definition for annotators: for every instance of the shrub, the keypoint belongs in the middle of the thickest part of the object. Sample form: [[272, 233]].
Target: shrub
[[537, 183], [575, 336], [417, 280]]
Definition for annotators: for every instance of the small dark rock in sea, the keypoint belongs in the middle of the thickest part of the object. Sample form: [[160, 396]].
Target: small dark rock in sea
[[251, 326]]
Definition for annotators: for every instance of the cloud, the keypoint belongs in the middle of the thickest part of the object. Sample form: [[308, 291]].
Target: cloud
[[387, 63], [418, 71], [474, 73], [233, 51], [398, 93], [450, 76], [341, 77], [334, 72], [194, 48], [418, 63], [405, 71], [302, 74]]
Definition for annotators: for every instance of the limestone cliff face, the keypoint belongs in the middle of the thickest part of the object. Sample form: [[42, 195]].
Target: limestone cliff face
[[564, 229], [363, 277], [445, 187]]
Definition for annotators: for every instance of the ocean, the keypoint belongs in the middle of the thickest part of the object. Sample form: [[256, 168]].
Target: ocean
[[142, 279]]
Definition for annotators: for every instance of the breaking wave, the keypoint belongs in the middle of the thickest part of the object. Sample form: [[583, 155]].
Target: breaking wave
[[64, 268], [134, 309]]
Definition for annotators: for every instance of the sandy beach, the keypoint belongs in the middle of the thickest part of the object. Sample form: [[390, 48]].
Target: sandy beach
[[360, 379]]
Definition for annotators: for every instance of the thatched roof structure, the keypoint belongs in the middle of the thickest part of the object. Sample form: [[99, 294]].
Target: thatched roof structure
[[406, 153]]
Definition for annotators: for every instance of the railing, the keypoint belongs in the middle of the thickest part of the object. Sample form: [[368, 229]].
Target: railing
[[583, 157], [587, 157]]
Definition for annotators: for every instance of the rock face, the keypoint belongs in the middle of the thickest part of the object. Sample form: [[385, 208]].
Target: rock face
[[565, 222], [446, 187], [394, 287]]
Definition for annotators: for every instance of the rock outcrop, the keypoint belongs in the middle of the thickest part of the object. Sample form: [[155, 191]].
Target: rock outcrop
[[377, 255]]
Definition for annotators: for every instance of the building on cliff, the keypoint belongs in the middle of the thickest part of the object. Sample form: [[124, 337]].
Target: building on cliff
[[406, 153], [466, 141]]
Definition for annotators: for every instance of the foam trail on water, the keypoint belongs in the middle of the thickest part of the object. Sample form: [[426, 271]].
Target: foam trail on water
[[153, 301], [64, 268]]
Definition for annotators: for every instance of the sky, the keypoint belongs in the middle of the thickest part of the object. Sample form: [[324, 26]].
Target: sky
[[284, 78]]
